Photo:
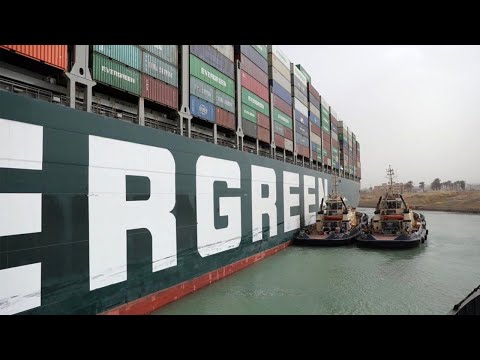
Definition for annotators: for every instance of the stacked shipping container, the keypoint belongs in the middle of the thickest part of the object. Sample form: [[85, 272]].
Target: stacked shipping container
[[255, 99], [343, 143], [53, 55], [280, 80], [314, 119], [334, 140], [359, 167], [300, 111], [150, 71], [212, 84], [326, 143]]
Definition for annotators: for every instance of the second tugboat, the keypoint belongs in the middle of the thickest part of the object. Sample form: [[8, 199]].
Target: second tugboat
[[394, 224], [335, 225]]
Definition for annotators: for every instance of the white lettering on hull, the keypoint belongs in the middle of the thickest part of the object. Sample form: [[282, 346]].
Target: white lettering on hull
[[267, 205], [21, 147], [110, 215], [209, 239]]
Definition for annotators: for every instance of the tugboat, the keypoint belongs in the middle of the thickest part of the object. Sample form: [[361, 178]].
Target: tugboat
[[394, 224], [336, 225]]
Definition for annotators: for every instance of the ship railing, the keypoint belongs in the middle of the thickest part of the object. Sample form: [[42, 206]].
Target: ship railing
[[201, 136], [264, 153]]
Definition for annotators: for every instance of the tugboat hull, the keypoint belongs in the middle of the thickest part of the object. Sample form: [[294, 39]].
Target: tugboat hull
[[392, 242], [304, 239]]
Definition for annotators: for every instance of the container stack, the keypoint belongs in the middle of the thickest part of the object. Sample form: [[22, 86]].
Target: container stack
[[359, 167], [300, 111], [315, 124], [212, 85], [255, 107], [53, 55], [334, 140], [150, 71], [350, 152], [280, 80], [343, 143], [326, 143], [354, 155]]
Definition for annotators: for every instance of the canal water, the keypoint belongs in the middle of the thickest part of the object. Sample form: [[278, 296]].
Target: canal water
[[429, 279]]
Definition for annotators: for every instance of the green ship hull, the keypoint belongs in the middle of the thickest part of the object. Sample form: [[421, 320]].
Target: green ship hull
[[99, 213]]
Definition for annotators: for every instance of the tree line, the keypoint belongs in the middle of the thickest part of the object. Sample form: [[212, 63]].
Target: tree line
[[436, 185]]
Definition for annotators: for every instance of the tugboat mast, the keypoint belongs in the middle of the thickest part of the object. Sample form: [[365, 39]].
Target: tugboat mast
[[390, 174]]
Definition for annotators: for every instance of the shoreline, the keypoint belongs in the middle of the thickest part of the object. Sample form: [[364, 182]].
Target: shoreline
[[427, 208]]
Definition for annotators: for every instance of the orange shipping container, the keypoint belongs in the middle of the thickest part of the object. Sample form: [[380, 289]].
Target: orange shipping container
[[263, 121], [279, 141], [225, 118], [158, 91], [53, 55], [263, 134]]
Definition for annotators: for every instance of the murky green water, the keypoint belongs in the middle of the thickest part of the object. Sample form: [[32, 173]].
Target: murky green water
[[429, 279]]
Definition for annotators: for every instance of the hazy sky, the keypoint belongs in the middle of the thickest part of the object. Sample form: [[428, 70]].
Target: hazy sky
[[414, 107]]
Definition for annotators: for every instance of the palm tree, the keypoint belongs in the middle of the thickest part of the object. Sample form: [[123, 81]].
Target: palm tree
[[409, 186], [422, 185], [436, 184]]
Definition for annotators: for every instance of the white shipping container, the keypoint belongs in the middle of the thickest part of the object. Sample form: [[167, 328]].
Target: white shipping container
[[288, 144], [300, 107]]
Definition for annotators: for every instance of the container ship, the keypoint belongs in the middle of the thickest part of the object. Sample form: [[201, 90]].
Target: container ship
[[132, 175]]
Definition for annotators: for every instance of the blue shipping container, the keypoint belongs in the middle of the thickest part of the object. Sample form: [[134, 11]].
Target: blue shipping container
[[255, 57], [314, 147], [281, 92], [202, 109], [300, 139], [302, 129], [314, 119], [301, 118]]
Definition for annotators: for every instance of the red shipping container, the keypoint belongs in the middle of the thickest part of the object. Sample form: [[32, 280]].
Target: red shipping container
[[326, 136], [288, 133], [314, 156], [254, 86], [262, 120], [333, 119], [263, 134], [225, 118], [313, 91], [334, 143], [315, 129], [253, 70], [53, 55], [160, 92], [282, 105], [279, 141]]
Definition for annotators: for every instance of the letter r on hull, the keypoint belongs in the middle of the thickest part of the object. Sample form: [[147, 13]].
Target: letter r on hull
[[111, 215]]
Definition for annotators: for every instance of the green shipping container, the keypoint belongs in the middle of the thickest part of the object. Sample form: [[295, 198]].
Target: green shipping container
[[255, 102], [115, 74], [325, 127], [126, 54], [224, 101], [325, 152], [302, 69], [165, 52], [159, 69], [211, 76], [262, 49], [334, 151], [281, 118], [249, 114]]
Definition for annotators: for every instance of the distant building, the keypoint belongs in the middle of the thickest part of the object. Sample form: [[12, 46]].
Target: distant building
[[397, 187]]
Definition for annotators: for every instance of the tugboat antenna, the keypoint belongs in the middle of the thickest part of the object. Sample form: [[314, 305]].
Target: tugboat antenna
[[390, 175]]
